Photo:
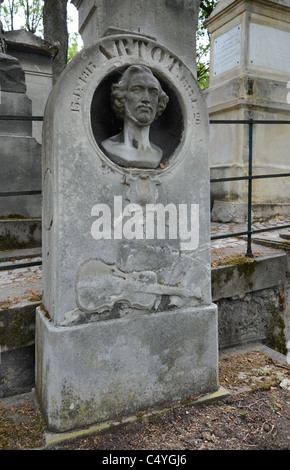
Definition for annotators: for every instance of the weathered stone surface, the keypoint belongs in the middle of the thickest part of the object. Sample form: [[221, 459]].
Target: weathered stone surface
[[251, 318], [20, 232], [172, 23], [249, 79], [237, 280], [132, 146], [20, 156], [78, 110], [17, 347], [35, 57], [109, 369], [15, 104], [20, 160], [26, 39], [17, 326], [17, 371], [11, 75], [128, 320]]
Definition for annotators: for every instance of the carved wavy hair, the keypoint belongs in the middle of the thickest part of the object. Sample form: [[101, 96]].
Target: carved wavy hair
[[120, 89]]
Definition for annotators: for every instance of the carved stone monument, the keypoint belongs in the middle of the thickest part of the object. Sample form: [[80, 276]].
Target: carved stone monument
[[20, 156], [172, 23], [138, 99], [36, 57], [249, 79], [127, 321]]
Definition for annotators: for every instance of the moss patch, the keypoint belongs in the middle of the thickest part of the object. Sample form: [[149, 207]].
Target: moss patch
[[12, 217], [237, 260], [276, 333], [35, 296], [17, 328], [10, 242]]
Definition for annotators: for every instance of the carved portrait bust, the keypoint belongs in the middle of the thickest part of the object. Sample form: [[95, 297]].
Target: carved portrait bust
[[138, 100]]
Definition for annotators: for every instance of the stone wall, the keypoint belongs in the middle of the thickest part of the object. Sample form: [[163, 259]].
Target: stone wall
[[252, 304], [257, 316], [17, 346]]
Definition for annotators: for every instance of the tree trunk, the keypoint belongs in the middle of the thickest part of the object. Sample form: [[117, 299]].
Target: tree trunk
[[55, 31]]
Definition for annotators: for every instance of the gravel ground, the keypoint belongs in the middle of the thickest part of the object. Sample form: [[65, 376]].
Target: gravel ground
[[256, 416]]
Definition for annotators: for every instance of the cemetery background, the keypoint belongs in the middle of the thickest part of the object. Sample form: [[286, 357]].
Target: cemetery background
[[275, 293]]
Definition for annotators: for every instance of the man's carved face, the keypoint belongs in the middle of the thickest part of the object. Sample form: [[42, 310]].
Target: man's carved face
[[142, 97]]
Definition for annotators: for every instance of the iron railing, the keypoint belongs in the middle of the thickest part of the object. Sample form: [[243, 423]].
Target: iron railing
[[249, 177]]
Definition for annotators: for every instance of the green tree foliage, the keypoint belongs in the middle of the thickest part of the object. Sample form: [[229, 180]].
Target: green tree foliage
[[28, 14], [73, 46], [203, 43], [8, 11], [33, 11], [30, 11]]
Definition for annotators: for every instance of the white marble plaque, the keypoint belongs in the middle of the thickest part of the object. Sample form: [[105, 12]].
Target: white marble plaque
[[269, 48], [227, 51]]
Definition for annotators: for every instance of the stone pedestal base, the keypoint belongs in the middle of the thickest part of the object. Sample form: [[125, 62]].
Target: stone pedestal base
[[106, 370]]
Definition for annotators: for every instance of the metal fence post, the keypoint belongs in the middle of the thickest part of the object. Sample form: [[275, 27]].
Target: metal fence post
[[250, 174]]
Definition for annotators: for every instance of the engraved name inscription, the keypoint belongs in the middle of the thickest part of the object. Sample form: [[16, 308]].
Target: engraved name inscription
[[81, 84], [143, 50], [140, 49]]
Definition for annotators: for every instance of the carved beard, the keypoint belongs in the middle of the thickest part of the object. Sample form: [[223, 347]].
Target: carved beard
[[136, 121]]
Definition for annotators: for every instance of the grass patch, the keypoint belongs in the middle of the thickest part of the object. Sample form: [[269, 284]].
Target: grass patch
[[235, 260]]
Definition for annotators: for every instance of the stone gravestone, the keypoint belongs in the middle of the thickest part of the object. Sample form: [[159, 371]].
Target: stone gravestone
[[20, 156], [35, 56], [127, 321]]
